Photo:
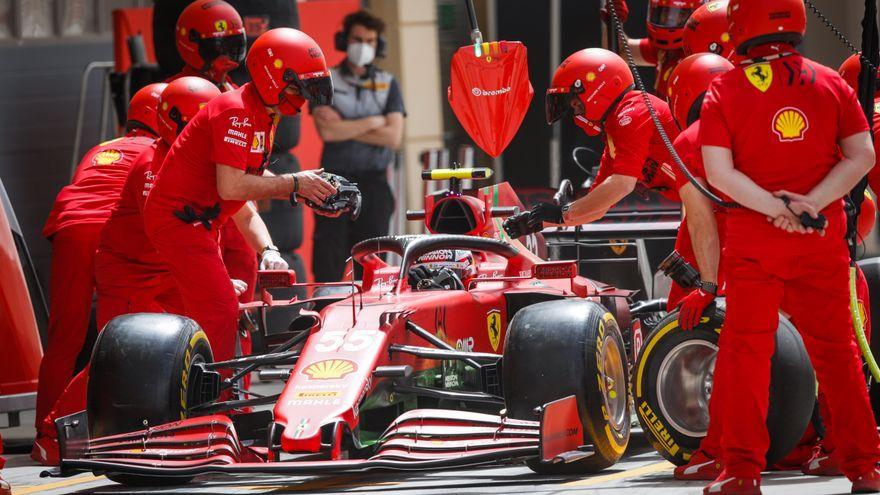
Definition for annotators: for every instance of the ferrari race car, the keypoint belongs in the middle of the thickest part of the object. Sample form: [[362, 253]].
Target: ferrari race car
[[471, 350]]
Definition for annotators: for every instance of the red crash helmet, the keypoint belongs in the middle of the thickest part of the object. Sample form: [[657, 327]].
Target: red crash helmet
[[849, 70], [754, 23], [706, 30], [666, 21], [597, 77], [180, 102], [210, 32], [285, 57], [143, 107], [688, 84], [866, 219]]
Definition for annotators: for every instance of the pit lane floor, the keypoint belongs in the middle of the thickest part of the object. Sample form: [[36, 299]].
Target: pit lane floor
[[642, 471]]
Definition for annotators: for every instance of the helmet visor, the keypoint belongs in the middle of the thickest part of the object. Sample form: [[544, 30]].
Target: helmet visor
[[669, 17], [315, 87], [557, 103], [232, 47]]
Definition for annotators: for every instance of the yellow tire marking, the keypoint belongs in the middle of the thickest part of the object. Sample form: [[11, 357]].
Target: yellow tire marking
[[658, 467], [647, 350], [58, 484]]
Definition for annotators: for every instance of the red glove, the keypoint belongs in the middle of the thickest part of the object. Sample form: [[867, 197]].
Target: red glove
[[692, 307], [622, 11]]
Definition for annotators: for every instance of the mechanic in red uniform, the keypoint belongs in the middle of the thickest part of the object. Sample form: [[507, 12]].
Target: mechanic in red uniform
[[764, 136], [663, 46], [216, 165], [210, 38], [5, 489], [130, 276], [74, 226], [595, 86]]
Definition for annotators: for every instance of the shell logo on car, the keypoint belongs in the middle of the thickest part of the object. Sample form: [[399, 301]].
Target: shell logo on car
[[330, 369], [790, 124]]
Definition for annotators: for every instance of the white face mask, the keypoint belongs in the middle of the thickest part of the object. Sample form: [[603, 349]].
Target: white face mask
[[360, 54]]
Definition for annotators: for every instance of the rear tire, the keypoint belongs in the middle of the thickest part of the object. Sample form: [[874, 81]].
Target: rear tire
[[677, 364], [140, 374], [555, 349]]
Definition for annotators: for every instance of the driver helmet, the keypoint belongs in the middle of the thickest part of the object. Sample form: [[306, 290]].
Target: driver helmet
[[459, 261], [666, 21], [210, 36]]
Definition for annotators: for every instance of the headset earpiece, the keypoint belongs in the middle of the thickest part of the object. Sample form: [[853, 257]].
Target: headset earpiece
[[380, 47], [340, 41]]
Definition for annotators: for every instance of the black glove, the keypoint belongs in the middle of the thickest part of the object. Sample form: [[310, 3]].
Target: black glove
[[529, 222], [423, 278], [346, 199]]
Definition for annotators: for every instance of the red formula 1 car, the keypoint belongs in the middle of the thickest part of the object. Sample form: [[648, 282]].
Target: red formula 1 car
[[470, 350]]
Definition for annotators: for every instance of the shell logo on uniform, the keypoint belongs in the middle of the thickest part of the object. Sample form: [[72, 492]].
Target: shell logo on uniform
[[760, 75], [713, 6], [790, 124], [330, 369], [107, 157], [220, 26]]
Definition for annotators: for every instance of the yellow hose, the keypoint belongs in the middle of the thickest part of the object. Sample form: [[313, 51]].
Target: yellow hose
[[859, 326]]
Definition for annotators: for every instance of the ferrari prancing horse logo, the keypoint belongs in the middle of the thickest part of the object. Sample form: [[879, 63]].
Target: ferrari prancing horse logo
[[493, 326], [760, 75]]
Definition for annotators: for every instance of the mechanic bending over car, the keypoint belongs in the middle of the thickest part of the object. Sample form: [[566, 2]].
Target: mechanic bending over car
[[216, 166], [74, 226], [662, 48], [782, 147], [360, 130], [130, 275], [595, 87], [210, 39]]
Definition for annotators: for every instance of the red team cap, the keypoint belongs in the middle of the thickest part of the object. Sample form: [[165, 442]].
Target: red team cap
[[210, 32], [754, 23], [286, 57], [180, 102], [707, 30], [597, 77], [849, 70], [666, 21], [688, 84], [143, 107]]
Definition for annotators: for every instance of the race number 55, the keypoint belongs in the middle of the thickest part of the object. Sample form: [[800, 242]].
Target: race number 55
[[333, 340]]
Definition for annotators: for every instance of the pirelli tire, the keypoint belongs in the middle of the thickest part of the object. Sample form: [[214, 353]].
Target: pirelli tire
[[672, 383], [555, 349], [141, 373]]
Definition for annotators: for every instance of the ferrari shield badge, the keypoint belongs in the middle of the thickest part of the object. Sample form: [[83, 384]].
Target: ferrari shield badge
[[490, 94], [760, 75], [493, 326]]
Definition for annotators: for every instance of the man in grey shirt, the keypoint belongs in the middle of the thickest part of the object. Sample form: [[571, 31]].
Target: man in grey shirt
[[361, 130]]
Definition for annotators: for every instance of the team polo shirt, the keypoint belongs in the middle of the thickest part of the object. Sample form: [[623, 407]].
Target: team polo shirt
[[233, 129], [124, 235], [664, 60], [97, 183], [633, 146], [783, 119]]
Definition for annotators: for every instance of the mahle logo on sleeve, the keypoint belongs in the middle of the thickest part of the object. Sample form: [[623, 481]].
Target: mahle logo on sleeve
[[760, 75]]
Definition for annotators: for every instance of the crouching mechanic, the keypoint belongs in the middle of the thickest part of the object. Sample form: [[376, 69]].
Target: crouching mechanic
[[215, 166], [595, 86], [74, 226], [784, 147]]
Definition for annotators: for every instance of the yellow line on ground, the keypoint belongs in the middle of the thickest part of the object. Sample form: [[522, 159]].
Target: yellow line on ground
[[657, 467], [58, 484]]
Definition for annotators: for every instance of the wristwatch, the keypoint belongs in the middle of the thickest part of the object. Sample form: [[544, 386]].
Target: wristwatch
[[709, 287], [270, 247]]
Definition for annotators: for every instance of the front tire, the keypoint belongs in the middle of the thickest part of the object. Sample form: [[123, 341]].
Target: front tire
[[555, 349]]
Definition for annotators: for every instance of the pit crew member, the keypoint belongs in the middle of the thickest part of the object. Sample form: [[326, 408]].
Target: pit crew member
[[595, 87], [210, 38], [782, 147], [74, 226], [216, 165], [707, 31], [663, 46]]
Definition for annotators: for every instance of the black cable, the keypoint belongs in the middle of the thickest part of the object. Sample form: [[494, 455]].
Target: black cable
[[472, 14], [839, 34], [618, 28]]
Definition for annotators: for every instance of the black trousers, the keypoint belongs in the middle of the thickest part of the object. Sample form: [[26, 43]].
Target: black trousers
[[334, 237]]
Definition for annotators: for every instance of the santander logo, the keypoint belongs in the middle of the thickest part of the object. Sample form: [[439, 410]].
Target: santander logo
[[493, 92]]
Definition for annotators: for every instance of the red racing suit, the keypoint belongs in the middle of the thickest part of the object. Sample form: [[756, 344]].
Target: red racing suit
[[664, 60], [73, 226], [239, 257], [184, 211], [633, 146], [783, 119]]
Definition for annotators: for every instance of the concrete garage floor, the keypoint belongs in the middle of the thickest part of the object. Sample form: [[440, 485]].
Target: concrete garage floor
[[641, 471]]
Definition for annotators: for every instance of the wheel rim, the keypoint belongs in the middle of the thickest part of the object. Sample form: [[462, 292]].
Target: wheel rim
[[684, 386], [614, 379]]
